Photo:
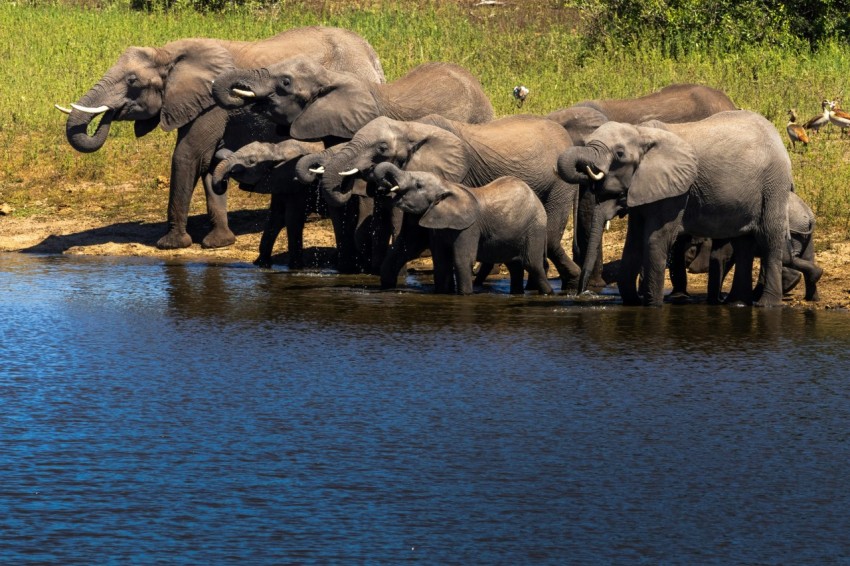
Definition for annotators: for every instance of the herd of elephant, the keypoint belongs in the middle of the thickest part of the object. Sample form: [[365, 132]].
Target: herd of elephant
[[422, 163]]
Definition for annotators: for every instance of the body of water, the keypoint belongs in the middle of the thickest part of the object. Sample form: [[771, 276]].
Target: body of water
[[185, 413]]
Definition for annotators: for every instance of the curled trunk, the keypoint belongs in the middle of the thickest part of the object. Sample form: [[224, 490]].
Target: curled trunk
[[583, 164], [76, 128], [335, 185], [254, 81], [221, 173]]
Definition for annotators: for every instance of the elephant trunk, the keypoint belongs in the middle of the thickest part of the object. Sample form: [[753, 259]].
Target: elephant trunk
[[238, 87], [339, 175], [82, 114], [221, 173], [584, 164], [388, 176], [602, 213], [311, 166]]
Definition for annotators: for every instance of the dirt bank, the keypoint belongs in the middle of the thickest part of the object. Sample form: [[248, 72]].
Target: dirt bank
[[81, 234]]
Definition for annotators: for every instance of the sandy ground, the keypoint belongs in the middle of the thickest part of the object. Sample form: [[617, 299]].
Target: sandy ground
[[83, 235]]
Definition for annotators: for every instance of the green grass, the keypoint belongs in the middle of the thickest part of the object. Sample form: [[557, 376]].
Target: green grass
[[67, 49]]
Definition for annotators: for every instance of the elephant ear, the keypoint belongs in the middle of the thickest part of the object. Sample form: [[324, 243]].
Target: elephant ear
[[344, 104], [667, 169], [455, 209], [194, 64], [144, 127], [438, 151]]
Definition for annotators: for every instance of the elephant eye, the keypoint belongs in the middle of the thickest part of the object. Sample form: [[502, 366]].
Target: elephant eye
[[287, 82], [620, 152], [132, 80], [384, 147]]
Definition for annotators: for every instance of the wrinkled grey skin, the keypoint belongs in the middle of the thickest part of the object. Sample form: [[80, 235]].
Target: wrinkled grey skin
[[676, 103], [716, 258], [171, 86], [500, 222], [269, 168], [318, 103], [725, 177], [474, 155]]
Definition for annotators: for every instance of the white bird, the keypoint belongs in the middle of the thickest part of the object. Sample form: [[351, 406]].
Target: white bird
[[838, 116], [817, 122]]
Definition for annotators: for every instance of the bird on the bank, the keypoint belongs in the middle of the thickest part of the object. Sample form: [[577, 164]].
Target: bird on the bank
[[817, 122], [796, 132], [838, 117]]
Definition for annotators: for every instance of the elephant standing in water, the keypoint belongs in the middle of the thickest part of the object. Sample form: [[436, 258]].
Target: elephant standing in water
[[725, 177], [316, 103], [501, 222], [522, 146], [269, 168], [171, 86], [673, 104]]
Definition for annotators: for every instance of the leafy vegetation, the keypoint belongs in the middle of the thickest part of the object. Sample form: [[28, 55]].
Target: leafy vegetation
[[53, 51]]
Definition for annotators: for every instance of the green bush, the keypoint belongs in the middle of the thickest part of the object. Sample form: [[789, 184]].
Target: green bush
[[684, 26]]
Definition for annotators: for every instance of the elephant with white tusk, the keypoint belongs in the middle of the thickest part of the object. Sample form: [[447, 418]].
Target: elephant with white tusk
[[171, 87], [727, 177]]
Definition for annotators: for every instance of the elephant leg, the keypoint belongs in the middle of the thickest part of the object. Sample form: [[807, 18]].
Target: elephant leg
[[463, 252], [743, 253], [384, 231], [364, 218], [557, 213], [443, 260], [583, 223], [295, 217], [720, 258], [484, 271], [679, 268], [412, 240], [220, 236], [772, 243], [631, 263], [517, 277], [344, 221], [274, 224], [660, 238], [536, 276], [193, 154]]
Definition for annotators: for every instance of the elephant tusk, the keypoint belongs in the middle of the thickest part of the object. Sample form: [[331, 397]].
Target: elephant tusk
[[87, 110], [243, 93], [349, 173], [394, 189], [595, 176], [62, 109], [317, 170]]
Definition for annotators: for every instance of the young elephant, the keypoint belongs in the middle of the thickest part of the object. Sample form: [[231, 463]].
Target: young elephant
[[501, 222], [269, 168]]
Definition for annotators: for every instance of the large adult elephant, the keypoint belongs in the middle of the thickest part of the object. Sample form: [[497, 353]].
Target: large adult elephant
[[171, 86], [675, 103], [316, 103], [725, 177], [522, 146]]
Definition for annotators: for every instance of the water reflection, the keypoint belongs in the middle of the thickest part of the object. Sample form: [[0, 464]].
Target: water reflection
[[183, 413]]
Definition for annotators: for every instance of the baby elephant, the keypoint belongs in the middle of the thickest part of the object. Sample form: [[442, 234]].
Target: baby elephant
[[501, 222], [261, 167]]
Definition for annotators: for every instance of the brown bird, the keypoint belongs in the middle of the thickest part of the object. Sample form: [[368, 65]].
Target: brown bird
[[795, 130], [838, 117], [817, 122]]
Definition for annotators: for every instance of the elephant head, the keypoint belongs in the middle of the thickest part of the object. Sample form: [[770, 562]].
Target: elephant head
[[627, 166], [315, 102], [168, 86], [441, 204], [256, 165], [419, 146]]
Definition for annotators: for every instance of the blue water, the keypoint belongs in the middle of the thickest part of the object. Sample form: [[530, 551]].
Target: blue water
[[185, 413]]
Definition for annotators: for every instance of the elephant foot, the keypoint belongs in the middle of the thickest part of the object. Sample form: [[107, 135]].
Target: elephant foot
[[790, 281], [174, 240], [263, 262], [679, 297], [219, 238]]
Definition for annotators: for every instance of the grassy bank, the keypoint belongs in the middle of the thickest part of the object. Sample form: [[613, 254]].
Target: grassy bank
[[54, 54]]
